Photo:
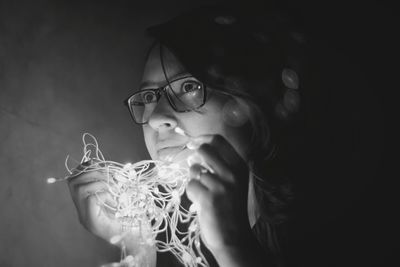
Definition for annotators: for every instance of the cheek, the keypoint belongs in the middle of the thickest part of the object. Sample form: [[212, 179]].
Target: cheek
[[233, 122], [208, 121]]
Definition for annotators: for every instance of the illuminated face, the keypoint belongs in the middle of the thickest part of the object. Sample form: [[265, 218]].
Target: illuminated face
[[161, 140]]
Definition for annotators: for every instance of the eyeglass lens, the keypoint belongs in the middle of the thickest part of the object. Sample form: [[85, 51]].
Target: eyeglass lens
[[183, 95]]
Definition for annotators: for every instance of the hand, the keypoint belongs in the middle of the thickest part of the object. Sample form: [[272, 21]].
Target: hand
[[221, 196], [88, 191]]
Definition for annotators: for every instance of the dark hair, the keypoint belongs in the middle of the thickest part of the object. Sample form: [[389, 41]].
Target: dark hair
[[260, 60]]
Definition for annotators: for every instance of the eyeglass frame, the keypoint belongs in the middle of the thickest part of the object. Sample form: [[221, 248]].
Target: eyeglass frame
[[163, 89]]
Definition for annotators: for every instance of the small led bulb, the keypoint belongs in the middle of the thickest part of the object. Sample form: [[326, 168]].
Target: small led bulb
[[168, 207], [115, 239], [180, 131], [194, 208], [149, 241], [174, 166], [175, 195], [129, 259], [124, 198], [162, 172], [193, 228], [156, 190], [186, 257], [127, 166], [51, 180], [120, 177]]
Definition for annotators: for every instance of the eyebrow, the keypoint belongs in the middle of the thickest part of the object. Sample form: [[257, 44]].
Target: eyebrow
[[150, 84]]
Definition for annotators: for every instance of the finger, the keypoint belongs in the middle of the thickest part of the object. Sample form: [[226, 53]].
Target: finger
[[103, 199], [211, 181], [214, 160], [82, 192], [81, 167], [196, 170], [85, 190], [87, 177], [96, 211], [85, 205], [89, 165], [196, 191], [99, 199]]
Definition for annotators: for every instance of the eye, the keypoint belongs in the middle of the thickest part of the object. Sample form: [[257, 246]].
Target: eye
[[149, 97], [191, 86]]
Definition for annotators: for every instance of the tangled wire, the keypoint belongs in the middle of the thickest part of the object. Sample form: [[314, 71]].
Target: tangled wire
[[148, 196]]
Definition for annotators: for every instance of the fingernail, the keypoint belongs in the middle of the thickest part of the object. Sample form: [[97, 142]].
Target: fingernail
[[194, 159], [192, 145], [197, 159], [196, 142]]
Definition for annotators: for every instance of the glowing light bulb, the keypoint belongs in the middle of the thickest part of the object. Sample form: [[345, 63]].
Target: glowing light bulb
[[149, 241], [162, 171], [124, 198], [51, 180], [132, 174], [175, 194], [115, 239], [120, 177], [194, 207], [169, 207], [156, 190], [175, 197], [186, 257], [127, 166], [129, 259], [174, 166], [193, 228], [180, 131]]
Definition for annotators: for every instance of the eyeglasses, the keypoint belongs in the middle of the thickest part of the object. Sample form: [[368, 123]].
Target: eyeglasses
[[184, 94]]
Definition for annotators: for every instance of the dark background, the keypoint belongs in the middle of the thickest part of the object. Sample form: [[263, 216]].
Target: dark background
[[66, 66]]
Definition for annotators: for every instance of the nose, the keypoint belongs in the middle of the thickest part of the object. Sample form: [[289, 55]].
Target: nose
[[163, 116]]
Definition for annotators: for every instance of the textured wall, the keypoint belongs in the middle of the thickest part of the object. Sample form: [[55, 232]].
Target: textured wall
[[66, 66]]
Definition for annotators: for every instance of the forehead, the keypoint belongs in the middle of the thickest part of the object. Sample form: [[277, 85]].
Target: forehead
[[156, 70]]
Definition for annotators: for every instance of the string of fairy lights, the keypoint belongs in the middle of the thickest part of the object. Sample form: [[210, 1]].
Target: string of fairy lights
[[148, 200]]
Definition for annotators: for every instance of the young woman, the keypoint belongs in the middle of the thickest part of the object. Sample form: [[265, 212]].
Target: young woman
[[235, 83]]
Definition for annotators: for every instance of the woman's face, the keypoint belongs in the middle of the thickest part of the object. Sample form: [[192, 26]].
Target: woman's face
[[161, 140]]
